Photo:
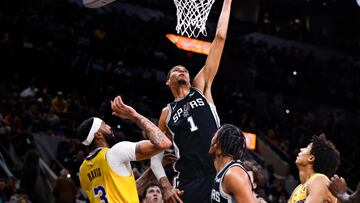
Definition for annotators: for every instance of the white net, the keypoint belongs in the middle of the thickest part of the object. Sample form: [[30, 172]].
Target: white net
[[192, 16]]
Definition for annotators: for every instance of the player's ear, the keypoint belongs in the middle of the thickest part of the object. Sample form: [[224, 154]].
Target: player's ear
[[254, 185], [217, 146], [97, 135], [311, 158]]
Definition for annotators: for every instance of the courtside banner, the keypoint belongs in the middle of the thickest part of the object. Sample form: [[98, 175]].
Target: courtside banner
[[250, 140], [190, 44]]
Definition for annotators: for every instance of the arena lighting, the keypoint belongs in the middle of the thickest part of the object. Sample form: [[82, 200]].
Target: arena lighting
[[250, 140], [190, 44]]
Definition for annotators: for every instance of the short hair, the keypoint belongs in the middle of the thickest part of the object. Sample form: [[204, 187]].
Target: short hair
[[232, 141], [168, 74], [84, 129], [327, 157], [149, 185]]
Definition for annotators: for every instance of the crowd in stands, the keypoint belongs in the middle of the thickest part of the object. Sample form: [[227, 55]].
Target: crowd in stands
[[283, 95]]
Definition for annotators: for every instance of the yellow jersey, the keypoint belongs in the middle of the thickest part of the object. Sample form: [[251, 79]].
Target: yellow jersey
[[300, 193], [102, 184]]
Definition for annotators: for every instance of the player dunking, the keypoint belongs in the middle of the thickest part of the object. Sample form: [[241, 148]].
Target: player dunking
[[316, 163], [192, 120], [106, 174]]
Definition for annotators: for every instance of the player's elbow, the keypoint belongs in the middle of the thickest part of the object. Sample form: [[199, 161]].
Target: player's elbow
[[165, 144], [220, 36]]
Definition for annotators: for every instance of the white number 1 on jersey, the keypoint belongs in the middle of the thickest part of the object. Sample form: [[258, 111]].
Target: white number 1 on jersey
[[193, 127]]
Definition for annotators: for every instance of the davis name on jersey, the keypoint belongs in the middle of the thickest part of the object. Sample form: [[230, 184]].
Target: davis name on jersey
[[184, 111], [94, 174]]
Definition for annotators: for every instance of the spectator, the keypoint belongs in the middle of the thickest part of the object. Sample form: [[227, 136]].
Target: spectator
[[13, 120], [65, 190], [2, 190], [10, 189], [20, 197], [30, 174], [255, 178], [152, 193], [59, 104], [29, 92]]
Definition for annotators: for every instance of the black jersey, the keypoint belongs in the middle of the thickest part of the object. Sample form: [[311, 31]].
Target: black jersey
[[192, 121], [217, 193]]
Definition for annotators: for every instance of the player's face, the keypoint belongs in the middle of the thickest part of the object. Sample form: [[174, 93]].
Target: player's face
[[108, 134], [153, 195], [304, 156], [179, 75]]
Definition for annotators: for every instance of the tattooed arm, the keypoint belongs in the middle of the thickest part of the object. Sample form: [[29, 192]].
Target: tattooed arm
[[158, 140]]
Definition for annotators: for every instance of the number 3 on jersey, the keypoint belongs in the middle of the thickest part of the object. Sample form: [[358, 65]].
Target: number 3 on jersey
[[193, 127], [99, 191]]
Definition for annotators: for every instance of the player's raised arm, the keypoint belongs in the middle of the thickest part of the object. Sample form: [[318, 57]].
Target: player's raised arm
[[158, 140], [206, 75]]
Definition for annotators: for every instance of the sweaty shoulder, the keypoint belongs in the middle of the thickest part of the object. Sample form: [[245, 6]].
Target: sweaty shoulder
[[318, 186], [165, 110], [233, 177], [318, 181]]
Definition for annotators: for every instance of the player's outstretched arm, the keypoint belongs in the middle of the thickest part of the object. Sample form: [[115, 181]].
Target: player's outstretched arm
[[206, 75], [158, 140]]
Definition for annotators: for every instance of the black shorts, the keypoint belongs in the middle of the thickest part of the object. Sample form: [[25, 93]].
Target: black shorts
[[197, 190]]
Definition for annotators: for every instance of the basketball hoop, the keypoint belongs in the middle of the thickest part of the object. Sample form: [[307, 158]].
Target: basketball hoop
[[192, 16]]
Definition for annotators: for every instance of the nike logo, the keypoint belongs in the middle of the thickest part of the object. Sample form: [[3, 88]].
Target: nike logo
[[217, 179], [191, 94]]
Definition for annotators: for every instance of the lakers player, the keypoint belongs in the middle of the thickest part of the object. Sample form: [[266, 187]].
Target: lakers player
[[192, 120], [106, 174], [316, 163]]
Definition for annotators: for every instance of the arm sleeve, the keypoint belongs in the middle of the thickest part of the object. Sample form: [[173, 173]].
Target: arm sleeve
[[156, 166], [122, 152], [119, 157]]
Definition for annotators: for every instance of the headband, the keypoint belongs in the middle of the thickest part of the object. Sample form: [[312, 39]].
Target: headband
[[94, 128]]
